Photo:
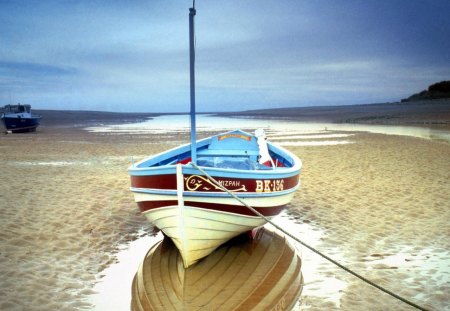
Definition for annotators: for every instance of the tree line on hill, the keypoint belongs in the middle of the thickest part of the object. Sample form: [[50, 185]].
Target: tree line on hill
[[435, 91]]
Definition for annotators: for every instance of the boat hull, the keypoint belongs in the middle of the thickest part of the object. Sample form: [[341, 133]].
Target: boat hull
[[200, 218], [199, 226], [20, 125], [200, 231]]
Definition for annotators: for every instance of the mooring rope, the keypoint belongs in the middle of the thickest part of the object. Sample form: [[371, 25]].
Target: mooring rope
[[306, 245]]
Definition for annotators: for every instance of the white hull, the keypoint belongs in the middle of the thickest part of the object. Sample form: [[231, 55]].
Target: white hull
[[198, 232]]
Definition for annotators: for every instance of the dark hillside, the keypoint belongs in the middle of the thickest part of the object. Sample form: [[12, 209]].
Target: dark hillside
[[438, 90]]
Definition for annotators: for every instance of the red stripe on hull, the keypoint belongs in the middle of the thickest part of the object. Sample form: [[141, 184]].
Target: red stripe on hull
[[165, 182], [235, 209], [201, 183]]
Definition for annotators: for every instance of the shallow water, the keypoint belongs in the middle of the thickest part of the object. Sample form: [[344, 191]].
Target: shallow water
[[207, 123], [114, 286]]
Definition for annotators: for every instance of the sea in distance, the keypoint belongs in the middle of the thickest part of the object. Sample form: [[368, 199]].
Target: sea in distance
[[386, 250], [208, 123]]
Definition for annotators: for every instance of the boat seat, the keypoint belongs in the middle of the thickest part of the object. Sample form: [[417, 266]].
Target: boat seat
[[227, 152], [233, 144]]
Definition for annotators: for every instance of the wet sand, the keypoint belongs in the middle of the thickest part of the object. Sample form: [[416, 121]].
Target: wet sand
[[382, 203], [424, 112]]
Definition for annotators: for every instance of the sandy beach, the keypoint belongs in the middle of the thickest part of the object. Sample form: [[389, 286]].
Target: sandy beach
[[382, 203]]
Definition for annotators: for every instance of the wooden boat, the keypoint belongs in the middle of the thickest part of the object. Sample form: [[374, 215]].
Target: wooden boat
[[18, 118], [188, 207], [197, 215], [259, 274]]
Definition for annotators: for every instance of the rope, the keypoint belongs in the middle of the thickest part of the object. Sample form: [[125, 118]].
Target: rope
[[306, 245]]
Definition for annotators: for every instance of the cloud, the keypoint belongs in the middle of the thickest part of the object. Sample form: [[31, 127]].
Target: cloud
[[34, 69], [250, 54]]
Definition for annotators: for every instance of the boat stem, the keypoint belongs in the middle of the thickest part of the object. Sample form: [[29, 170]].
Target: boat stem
[[192, 78]]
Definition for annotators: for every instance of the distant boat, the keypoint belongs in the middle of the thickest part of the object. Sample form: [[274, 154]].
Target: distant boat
[[174, 193], [260, 274], [18, 118]]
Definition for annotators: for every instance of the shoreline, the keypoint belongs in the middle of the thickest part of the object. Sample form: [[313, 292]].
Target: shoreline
[[433, 113], [420, 113], [83, 118]]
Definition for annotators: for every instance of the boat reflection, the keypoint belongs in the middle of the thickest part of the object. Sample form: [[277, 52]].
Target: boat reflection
[[263, 273]]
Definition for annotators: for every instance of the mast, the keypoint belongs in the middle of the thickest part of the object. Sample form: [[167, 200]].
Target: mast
[[192, 78]]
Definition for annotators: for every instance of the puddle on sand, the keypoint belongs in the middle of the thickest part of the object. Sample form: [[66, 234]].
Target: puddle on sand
[[261, 273], [114, 287], [48, 163], [318, 282], [309, 136], [206, 123], [281, 133], [315, 143]]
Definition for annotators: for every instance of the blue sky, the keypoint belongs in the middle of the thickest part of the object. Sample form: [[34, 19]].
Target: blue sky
[[133, 55]]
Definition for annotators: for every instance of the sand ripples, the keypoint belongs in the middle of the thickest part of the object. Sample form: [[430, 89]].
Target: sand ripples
[[380, 204]]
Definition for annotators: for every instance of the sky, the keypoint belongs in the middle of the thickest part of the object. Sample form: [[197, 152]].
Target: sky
[[133, 56]]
